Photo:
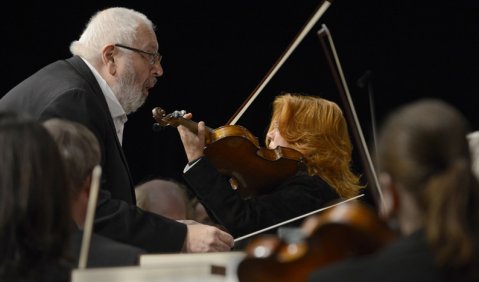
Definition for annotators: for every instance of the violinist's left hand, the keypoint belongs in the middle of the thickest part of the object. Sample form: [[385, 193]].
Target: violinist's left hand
[[194, 144]]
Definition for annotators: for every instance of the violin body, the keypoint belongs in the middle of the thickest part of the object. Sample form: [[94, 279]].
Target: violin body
[[349, 229], [235, 152]]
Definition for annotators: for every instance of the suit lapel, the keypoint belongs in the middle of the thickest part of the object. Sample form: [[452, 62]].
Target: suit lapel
[[80, 66]]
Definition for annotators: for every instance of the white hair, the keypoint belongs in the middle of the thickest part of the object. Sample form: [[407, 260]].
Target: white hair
[[109, 26]]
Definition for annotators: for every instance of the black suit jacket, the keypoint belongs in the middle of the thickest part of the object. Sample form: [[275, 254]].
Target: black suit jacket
[[68, 89], [298, 195], [104, 252]]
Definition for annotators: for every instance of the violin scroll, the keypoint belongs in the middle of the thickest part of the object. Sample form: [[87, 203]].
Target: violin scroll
[[176, 119], [173, 119]]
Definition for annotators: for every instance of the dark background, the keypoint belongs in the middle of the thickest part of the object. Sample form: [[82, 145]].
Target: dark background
[[217, 52]]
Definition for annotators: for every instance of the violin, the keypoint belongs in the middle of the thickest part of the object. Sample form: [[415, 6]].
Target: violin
[[345, 230], [235, 152]]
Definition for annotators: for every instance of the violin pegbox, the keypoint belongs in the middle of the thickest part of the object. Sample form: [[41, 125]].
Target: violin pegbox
[[163, 119], [178, 114]]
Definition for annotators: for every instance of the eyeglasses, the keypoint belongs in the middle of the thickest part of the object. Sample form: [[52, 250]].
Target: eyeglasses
[[153, 59]]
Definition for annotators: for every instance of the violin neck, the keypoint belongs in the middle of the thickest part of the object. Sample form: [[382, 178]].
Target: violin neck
[[191, 125], [176, 119]]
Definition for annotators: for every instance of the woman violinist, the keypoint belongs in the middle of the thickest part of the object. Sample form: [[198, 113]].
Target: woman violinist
[[430, 194], [311, 125]]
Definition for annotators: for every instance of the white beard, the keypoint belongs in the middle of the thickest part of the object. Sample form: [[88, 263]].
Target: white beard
[[128, 93]]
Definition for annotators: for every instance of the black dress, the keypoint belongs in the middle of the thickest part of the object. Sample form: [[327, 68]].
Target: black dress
[[298, 195]]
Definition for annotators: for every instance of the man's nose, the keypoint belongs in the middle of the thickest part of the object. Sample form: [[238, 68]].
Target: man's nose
[[158, 69]]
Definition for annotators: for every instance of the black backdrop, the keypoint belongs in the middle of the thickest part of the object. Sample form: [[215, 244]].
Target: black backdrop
[[216, 53]]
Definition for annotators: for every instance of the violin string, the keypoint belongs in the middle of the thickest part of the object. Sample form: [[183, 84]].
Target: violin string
[[296, 218]]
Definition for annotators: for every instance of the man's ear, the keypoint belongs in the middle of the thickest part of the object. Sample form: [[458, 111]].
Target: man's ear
[[390, 201], [108, 55]]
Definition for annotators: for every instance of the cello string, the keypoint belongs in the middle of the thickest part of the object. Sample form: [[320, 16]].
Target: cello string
[[296, 218]]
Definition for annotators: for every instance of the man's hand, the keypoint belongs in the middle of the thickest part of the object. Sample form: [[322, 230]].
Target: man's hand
[[201, 238], [194, 144]]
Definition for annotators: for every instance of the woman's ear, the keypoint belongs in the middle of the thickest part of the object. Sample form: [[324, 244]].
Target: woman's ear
[[390, 200]]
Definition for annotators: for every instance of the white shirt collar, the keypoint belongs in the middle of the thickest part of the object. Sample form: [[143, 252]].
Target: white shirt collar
[[116, 110]]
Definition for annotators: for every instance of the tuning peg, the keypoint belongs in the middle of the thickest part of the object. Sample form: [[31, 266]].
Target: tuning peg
[[178, 114]]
